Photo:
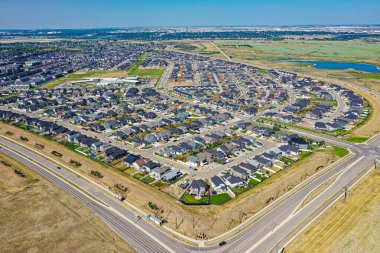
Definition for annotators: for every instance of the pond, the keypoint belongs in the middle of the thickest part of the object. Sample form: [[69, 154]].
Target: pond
[[341, 65]]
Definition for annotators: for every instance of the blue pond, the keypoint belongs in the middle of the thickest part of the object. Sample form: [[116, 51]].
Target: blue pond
[[341, 65]]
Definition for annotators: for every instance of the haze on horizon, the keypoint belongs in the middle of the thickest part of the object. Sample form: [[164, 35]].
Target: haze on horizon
[[26, 14]]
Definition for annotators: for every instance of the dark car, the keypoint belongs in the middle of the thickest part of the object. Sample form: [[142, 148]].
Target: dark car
[[222, 243], [59, 168]]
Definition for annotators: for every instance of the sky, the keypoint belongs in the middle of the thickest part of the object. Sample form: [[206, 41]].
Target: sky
[[34, 14]]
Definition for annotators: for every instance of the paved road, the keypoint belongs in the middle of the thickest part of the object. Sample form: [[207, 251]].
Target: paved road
[[261, 236], [140, 234]]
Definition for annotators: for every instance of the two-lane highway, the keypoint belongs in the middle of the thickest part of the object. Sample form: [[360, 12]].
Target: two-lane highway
[[142, 235]]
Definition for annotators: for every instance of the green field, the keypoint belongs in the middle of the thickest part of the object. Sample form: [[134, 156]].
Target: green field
[[138, 175], [356, 50], [357, 139], [78, 76], [368, 76], [339, 151], [252, 182], [190, 199], [220, 199], [203, 48], [135, 69]]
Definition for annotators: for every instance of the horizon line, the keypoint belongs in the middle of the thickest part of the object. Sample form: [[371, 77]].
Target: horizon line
[[188, 26]]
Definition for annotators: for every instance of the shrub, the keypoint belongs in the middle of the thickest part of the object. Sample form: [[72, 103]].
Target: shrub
[[24, 138], [152, 205], [96, 173], [77, 164], [56, 153], [39, 146]]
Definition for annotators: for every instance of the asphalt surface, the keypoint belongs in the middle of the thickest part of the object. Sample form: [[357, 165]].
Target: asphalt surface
[[281, 218]]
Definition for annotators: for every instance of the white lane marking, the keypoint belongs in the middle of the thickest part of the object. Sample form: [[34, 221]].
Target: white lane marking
[[111, 208], [278, 226]]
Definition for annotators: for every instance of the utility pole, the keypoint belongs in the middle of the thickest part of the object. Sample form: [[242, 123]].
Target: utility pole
[[346, 194], [278, 248]]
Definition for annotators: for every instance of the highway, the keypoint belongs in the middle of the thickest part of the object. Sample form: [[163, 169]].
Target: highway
[[141, 234], [259, 234]]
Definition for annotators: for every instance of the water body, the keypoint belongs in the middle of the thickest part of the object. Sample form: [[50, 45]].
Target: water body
[[341, 65]]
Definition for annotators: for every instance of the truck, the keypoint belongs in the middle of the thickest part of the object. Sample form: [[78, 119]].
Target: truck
[[155, 219], [185, 183]]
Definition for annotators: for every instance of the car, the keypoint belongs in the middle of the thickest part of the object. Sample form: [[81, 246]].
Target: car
[[137, 217], [222, 243], [59, 168]]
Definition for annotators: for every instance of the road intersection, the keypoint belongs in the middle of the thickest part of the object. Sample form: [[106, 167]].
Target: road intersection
[[280, 219]]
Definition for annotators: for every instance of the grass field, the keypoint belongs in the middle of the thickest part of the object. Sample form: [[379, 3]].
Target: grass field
[[356, 50], [37, 216], [346, 228], [135, 69], [339, 151], [219, 199], [357, 139], [84, 74], [200, 47], [190, 199]]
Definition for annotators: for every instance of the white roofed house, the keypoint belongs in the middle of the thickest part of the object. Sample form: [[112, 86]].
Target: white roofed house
[[158, 172], [217, 184]]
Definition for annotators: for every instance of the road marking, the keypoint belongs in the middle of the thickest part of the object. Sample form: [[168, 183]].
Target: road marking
[[340, 174], [86, 193], [278, 226], [301, 230]]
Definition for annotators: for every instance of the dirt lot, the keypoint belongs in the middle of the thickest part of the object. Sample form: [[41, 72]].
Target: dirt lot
[[352, 227], [36, 216], [191, 220]]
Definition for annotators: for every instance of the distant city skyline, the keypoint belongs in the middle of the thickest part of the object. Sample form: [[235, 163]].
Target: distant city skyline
[[38, 14]]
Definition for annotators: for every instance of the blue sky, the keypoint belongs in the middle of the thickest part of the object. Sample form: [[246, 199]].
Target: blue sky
[[131, 13]]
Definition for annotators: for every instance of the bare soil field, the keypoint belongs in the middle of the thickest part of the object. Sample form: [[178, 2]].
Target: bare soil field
[[346, 228], [189, 220], [36, 216]]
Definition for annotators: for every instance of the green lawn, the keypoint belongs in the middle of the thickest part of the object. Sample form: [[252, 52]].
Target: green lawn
[[339, 151], [240, 190], [135, 70], [259, 176], [159, 184], [138, 175], [7, 96], [148, 179], [252, 182], [220, 199], [357, 139], [286, 160], [305, 153], [190, 199], [74, 77]]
